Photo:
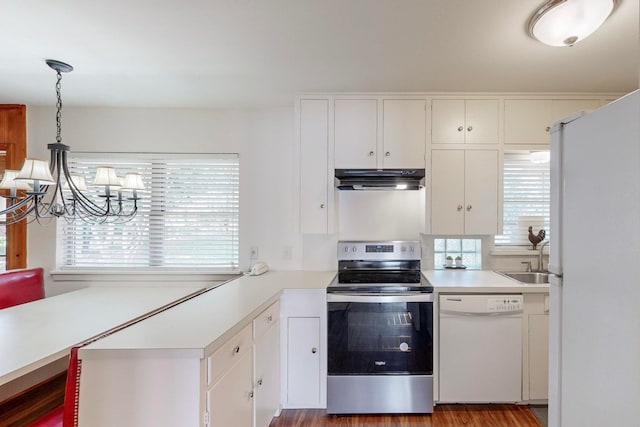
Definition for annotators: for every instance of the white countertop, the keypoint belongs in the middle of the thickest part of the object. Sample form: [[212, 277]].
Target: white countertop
[[40, 332], [478, 281], [202, 324], [224, 310]]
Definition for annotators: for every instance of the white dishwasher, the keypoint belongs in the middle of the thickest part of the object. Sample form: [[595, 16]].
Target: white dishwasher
[[480, 348]]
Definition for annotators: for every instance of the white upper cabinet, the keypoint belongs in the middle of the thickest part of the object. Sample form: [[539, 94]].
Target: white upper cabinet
[[356, 133], [363, 142], [404, 133], [458, 121], [528, 121], [464, 192], [316, 189]]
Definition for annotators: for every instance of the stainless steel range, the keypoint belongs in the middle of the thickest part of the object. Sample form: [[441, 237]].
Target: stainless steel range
[[380, 337]]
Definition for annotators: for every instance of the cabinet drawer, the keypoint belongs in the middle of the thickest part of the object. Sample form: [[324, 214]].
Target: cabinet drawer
[[223, 359], [264, 320]]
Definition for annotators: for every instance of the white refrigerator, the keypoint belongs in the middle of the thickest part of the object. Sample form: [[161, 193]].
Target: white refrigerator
[[594, 324]]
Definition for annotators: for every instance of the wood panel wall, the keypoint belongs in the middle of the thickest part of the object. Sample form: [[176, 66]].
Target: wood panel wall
[[13, 140]]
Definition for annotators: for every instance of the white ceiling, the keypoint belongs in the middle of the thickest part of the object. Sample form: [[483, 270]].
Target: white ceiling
[[254, 53]]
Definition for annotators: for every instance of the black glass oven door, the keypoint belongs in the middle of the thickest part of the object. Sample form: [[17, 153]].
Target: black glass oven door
[[373, 338]]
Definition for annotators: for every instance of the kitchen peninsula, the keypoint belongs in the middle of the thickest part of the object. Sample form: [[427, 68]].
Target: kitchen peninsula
[[166, 368]]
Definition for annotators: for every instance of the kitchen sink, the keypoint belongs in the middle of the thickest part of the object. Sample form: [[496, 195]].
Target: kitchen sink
[[530, 277]]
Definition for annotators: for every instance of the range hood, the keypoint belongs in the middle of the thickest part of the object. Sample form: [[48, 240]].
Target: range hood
[[379, 179]]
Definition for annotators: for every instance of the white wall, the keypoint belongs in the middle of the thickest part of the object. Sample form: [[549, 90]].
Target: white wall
[[263, 138]]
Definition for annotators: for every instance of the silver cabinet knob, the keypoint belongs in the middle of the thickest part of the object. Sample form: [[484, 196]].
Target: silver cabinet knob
[[260, 382], [250, 395], [547, 129], [269, 319], [314, 350], [237, 349], [371, 153], [470, 128], [469, 207], [322, 206], [387, 154], [460, 128], [459, 208]]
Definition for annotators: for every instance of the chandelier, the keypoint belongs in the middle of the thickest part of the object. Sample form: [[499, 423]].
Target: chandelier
[[43, 191]]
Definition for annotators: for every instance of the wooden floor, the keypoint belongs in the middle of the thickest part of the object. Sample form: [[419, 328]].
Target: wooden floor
[[443, 416]]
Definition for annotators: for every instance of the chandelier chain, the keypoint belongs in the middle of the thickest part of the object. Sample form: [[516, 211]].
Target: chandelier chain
[[59, 109]]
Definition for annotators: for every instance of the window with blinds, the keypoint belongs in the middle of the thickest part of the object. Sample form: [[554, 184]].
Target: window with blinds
[[526, 198], [188, 216]]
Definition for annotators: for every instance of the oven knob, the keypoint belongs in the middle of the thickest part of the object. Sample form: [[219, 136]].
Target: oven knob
[[404, 346], [354, 249]]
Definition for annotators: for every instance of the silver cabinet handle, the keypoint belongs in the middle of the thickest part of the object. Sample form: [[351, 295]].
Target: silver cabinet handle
[[371, 153], [250, 395], [314, 350], [547, 129], [269, 319], [469, 207], [387, 154], [237, 349], [460, 128], [470, 128], [322, 206], [459, 208], [260, 382]]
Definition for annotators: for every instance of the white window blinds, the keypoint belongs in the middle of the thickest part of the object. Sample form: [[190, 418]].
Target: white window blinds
[[526, 198], [187, 218]]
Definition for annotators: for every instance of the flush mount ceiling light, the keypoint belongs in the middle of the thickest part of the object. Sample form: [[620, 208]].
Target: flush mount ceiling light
[[566, 22], [49, 190]]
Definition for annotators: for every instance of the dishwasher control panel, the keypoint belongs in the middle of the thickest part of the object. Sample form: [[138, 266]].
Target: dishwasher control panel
[[504, 304], [481, 304]]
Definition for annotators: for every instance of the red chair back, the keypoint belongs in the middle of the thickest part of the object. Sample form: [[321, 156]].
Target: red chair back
[[18, 287], [66, 415]]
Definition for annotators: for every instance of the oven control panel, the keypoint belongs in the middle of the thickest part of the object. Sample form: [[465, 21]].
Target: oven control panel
[[369, 250]]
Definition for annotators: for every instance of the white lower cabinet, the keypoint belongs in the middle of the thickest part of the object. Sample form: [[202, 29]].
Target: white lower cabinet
[[244, 375], [536, 360], [266, 372], [303, 367], [230, 400], [304, 357]]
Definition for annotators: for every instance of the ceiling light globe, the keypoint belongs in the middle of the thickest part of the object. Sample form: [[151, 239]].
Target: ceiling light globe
[[566, 22]]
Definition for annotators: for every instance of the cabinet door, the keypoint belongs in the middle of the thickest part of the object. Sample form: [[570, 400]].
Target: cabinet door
[[538, 356], [303, 367], [230, 400], [447, 121], [561, 108], [526, 121], [356, 133], [481, 192], [404, 133], [314, 200], [447, 192], [267, 375], [481, 121]]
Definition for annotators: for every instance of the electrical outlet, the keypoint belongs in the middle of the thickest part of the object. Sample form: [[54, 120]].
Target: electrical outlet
[[253, 252]]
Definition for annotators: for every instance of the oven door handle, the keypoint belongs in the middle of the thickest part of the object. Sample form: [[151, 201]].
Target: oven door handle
[[377, 298]]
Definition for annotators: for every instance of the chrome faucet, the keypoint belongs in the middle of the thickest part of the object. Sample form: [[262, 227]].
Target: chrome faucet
[[542, 245]]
